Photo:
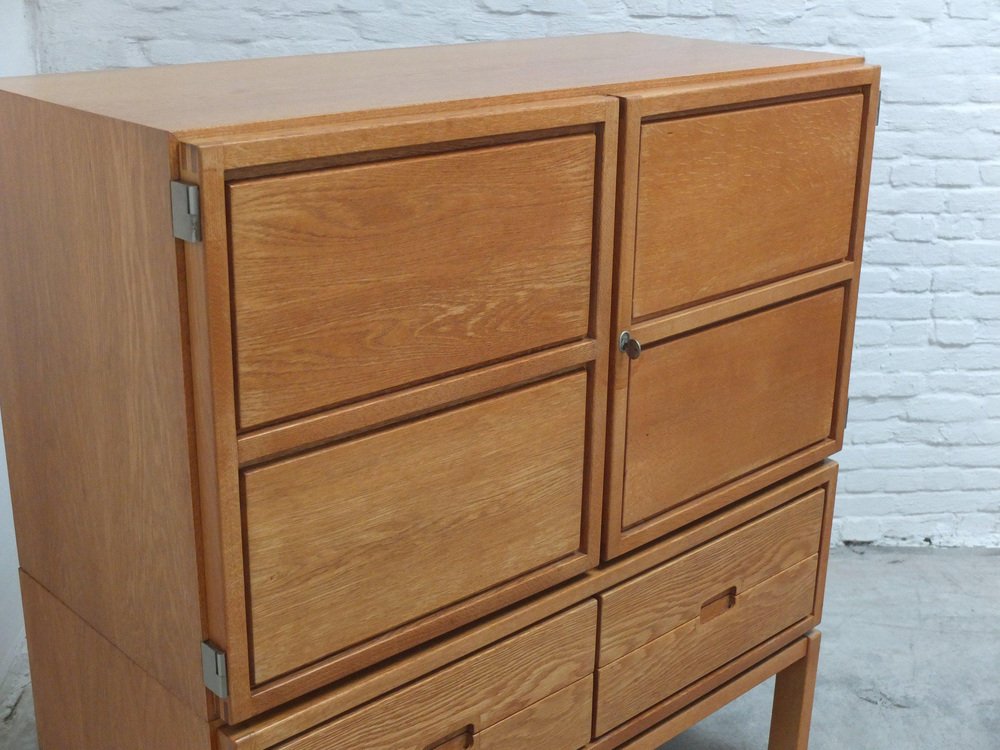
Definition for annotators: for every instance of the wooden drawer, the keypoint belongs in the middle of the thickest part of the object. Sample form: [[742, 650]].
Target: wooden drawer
[[377, 539], [737, 198], [720, 403], [361, 279], [533, 689], [670, 626]]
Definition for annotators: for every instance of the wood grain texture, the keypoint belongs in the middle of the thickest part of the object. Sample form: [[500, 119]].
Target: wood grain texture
[[216, 95], [703, 687], [214, 426], [353, 540], [733, 199], [559, 722], [666, 597], [791, 712], [93, 387], [355, 280], [479, 691], [700, 709], [285, 148], [295, 435], [90, 696], [683, 100], [741, 303], [655, 671], [337, 699], [712, 406]]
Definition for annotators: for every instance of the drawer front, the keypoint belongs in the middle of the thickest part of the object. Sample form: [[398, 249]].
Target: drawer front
[[347, 543], [360, 279], [738, 198], [530, 690], [668, 627], [717, 404]]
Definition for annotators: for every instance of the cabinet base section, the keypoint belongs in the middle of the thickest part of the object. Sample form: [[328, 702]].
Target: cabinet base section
[[89, 695], [795, 666]]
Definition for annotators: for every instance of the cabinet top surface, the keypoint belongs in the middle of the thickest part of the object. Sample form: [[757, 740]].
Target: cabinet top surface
[[204, 96]]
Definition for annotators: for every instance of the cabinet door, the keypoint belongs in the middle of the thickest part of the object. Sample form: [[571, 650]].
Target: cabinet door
[[741, 219], [399, 339], [360, 279]]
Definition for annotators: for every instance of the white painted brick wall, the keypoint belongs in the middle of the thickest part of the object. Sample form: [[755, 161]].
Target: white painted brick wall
[[923, 460]]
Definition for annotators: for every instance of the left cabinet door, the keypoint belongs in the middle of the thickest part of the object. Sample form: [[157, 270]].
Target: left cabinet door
[[400, 330]]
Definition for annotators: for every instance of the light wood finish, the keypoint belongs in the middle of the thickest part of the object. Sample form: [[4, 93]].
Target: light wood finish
[[478, 692], [649, 674], [736, 305], [88, 695], [718, 101], [701, 688], [213, 422], [710, 407], [355, 280], [300, 717], [214, 411], [436, 511], [316, 143], [294, 435], [666, 597], [683, 720], [732, 199], [207, 440], [93, 382], [253, 92], [793, 700], [559, 722]]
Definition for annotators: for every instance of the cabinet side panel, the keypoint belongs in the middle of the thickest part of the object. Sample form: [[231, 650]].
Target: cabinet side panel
[[90, 696], [92, 387]]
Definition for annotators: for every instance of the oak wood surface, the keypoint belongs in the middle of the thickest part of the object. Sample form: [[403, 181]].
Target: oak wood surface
[[219, 444], [666, 597], [741, 303], [559, 722], [785, 659], [213, 419], [345, 695], [479, 691], [88, 695], [93, 382], [434, 511], [709, 407], [287, 148], [732, 199], [791, 710], [687, 99], [242, 93], [653, 672], [292, 436], [699, 689], [355, 280]]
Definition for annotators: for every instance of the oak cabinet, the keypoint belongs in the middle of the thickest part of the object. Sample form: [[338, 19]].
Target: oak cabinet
[[453, 397]]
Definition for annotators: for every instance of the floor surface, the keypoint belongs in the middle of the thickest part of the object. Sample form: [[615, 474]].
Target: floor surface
[[910, 660]]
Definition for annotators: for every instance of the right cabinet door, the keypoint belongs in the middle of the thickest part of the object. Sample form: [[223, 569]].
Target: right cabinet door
[[741, 218]]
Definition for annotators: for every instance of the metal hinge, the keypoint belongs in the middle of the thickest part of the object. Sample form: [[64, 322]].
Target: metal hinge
[[186, 209], [878, 108], [213, 667]]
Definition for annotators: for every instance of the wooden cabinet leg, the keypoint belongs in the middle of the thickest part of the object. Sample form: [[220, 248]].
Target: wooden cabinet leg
[[793, 700]]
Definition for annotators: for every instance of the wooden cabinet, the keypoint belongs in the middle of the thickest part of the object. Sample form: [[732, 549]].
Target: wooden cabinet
[[434, 398]]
